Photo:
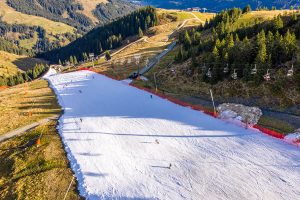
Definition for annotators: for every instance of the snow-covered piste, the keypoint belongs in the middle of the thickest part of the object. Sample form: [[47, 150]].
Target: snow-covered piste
[[123, 144]]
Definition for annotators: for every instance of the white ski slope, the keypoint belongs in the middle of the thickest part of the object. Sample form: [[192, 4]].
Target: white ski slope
[[114, 153]]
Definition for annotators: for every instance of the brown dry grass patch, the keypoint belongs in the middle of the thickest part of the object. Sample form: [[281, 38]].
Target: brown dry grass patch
[[11, 63], [31, 172], [17, 103], [89, 6]]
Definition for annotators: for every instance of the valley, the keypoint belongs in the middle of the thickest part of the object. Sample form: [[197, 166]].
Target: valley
[[25, 32]]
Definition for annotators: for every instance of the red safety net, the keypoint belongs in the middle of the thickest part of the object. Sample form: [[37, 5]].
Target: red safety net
[[269, 132]]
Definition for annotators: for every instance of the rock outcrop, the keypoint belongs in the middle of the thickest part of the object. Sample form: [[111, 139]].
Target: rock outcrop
[[246, 114]]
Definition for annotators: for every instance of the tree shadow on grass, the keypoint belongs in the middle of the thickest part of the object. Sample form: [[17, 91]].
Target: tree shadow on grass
[[28, 63]]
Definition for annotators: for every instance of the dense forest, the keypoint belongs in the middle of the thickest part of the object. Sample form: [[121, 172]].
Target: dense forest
[[113, 9], [224, 48], [23, 77], [106, 37]]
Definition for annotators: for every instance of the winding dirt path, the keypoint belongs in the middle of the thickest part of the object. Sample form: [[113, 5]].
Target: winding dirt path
[[26, 128]]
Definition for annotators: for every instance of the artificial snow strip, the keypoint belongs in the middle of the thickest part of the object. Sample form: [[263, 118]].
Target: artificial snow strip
[[124, 143]]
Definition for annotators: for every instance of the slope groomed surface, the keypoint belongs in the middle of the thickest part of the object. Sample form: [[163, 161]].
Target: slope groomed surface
[[121, 142]]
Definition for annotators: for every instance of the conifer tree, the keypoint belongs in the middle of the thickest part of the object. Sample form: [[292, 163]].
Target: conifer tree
[[107, 55], [230, 41], [262, 49], [187, 40], [237, 39], [247, 9], [294, 17], [84, 55], [196, 38], [11, 81], [218, 43], [141, 34], [277, 23], [179, 56], [2, 81], [71, 60], [289, 42], [100, 47], [215, 53], [75, 60]]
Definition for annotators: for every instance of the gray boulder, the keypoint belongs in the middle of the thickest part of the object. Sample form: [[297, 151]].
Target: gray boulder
[[246, 114]]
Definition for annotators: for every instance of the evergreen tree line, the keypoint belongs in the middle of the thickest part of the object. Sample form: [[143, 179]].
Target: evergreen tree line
[[240, 50], [224, 23], [15, 28], [27, 76], [106, 37]]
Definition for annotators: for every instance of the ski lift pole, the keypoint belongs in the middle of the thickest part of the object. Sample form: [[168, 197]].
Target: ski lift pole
[[213, 102]]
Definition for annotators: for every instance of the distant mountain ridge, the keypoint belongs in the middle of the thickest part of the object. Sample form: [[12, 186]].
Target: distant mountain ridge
[[33, 26], [80, 14], [218, 5]]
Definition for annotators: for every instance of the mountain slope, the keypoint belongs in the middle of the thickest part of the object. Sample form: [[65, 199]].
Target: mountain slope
[[140, 147], [10, 16], [113, 9], [89, 7], [218, 5], [11, 64], [223, 56], [76, 13], [29, 27], [32, 33], [106, 37]]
